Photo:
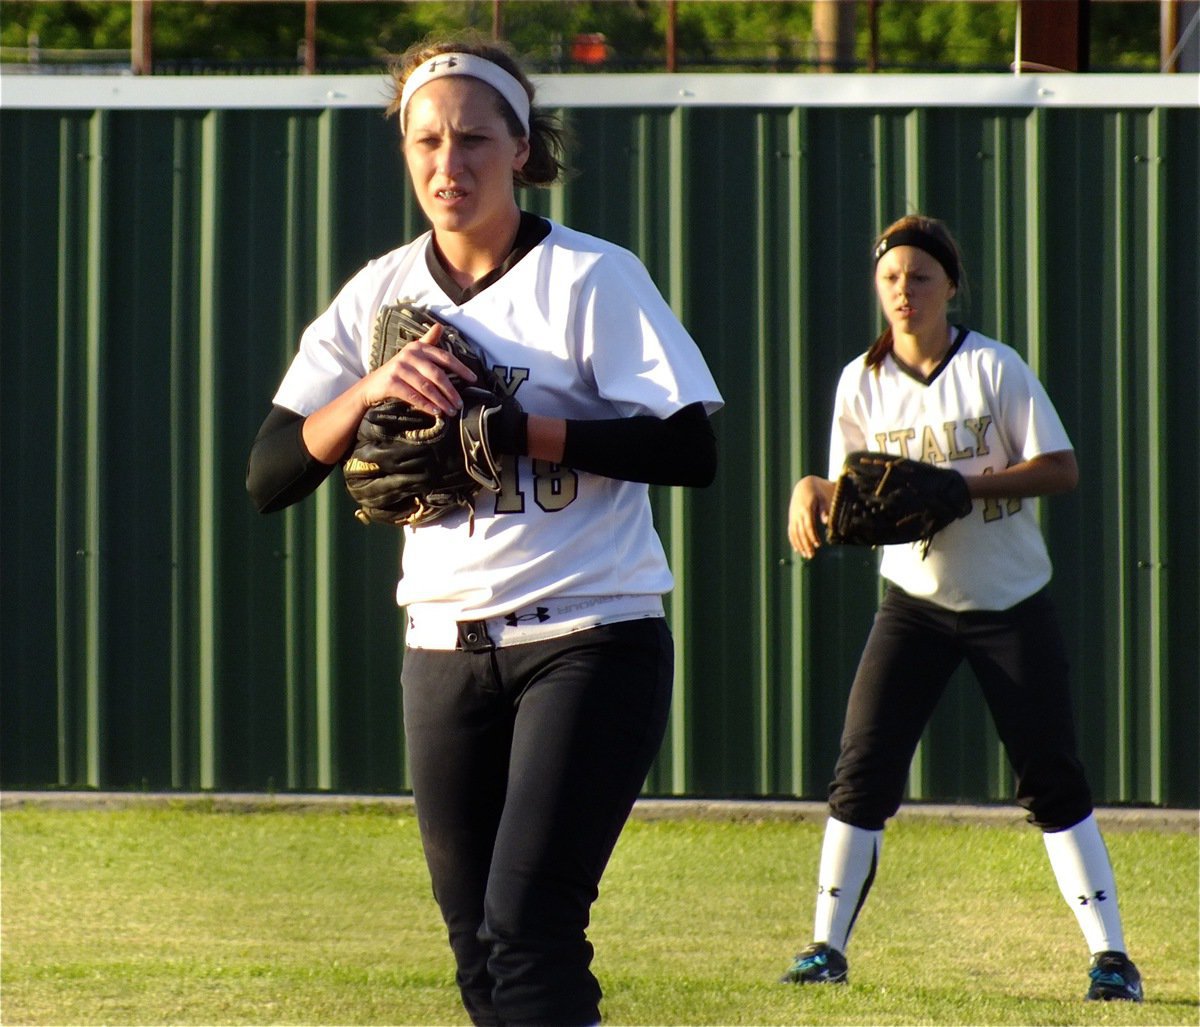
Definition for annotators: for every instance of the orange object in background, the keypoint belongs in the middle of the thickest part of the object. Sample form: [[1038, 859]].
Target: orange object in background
[[589, 48]]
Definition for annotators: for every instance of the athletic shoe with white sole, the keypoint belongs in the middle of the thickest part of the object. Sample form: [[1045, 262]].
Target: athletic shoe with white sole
[[817, 964], [1114, 976]]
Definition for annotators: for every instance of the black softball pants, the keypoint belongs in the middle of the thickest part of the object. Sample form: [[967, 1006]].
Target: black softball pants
[[526, 761], [1019, 658]]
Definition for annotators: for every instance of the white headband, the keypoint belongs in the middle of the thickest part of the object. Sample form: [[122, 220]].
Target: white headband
[[443, 64]]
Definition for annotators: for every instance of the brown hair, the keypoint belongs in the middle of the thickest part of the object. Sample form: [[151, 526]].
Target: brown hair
[[944, 248], [547, 136]]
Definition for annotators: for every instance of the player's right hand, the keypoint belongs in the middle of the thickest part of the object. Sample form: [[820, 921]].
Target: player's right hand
[[808, 512], [419, 374]]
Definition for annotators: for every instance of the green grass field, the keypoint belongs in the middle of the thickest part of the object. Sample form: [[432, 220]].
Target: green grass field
[[187, 915]]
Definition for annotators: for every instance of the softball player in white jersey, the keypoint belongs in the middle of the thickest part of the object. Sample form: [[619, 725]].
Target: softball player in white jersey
[[957, 399], [538, 665]]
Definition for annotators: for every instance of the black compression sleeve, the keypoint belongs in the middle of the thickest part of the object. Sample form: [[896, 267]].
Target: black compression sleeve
[[281, 471], [678, 450]]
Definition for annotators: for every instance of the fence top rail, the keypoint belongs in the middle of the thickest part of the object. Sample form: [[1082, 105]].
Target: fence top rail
[[619, 90]]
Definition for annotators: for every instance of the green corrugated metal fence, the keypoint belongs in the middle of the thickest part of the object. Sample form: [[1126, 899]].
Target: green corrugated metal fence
[[161, 256]]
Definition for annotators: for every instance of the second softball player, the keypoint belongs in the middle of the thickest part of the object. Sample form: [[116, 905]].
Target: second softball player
[[953, 397]]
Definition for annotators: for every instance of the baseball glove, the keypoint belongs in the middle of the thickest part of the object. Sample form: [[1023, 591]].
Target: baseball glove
[[409, 467], [880, 499]]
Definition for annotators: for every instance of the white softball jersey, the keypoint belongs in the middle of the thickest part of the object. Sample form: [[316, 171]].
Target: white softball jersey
[[983, 411], [579, 330]]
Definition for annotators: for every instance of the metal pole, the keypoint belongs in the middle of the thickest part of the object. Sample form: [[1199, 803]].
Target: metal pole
[[873, 33], [1177, 60], [1018, 59], [671, 20]]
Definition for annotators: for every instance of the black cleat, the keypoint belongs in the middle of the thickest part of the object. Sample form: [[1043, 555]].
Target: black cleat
[[818, 964], [1114, 976]]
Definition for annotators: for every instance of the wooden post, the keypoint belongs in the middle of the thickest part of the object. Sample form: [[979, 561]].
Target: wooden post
[[310, 37], [833, 34], [1052, 35], [1168, 32], [141, 39]]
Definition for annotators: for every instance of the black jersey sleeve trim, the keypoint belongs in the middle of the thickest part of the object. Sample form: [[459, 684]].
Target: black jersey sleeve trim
[[677, 450], [281, 471]]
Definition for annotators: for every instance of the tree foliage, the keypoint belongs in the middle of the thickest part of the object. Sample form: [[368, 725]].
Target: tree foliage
[[711, 35]]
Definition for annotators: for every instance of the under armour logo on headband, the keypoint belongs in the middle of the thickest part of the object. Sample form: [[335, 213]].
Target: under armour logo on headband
[[922, 240], [472, 66]]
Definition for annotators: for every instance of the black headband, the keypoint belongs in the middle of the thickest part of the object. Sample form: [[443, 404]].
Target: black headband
[[922, 240]]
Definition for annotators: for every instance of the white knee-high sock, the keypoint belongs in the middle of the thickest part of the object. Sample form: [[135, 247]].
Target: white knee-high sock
[[1081, 865], [849, 856]]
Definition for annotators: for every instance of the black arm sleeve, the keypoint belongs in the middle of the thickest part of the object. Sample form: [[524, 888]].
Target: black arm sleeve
[[677, 450], [281, 471]]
